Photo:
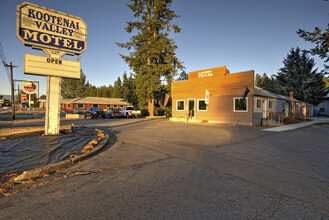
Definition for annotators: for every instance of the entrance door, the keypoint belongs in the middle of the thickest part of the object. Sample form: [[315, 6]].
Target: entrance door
[[191, 108]]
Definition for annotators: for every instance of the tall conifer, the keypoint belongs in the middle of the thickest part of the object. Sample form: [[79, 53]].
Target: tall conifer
[[153, 52], [298, 75]]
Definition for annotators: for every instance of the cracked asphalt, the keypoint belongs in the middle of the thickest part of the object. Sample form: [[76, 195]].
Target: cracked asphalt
[[155, 169]]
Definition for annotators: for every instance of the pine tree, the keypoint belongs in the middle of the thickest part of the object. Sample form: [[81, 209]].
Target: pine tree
[[73, 88], [182, 76], [298, 76], [117, 89], [269, 83], [153, 54], [320, 39]]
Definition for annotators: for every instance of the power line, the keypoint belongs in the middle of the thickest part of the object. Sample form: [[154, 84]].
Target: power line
[[4, 62]]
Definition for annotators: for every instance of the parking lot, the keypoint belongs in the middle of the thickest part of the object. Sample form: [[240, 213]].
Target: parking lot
[[159, 169]]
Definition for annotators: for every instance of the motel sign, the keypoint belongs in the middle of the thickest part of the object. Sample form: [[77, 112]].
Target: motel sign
[[42, 27], [56, 34]]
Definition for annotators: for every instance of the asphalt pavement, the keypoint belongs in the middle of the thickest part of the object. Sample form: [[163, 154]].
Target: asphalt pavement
[[155, 169]]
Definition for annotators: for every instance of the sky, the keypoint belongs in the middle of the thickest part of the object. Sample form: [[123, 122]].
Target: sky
[[240, 34]]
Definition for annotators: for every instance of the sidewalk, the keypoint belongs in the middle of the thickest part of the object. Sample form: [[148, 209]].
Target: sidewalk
[[297, 125]]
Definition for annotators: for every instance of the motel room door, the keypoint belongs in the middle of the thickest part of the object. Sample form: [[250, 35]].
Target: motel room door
[[191, 104]]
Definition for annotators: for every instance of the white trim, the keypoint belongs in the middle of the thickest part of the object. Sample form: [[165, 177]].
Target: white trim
[[177, 105], [240, 110], [198, 105]]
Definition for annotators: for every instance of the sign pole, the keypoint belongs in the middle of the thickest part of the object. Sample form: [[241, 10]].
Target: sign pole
[[29, 104], [53, 100]]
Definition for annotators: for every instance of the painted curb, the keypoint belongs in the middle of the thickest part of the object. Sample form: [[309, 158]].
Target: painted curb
[[62, 164]]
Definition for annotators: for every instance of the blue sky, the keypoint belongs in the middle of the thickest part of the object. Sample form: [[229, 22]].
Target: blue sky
[[241, 34]]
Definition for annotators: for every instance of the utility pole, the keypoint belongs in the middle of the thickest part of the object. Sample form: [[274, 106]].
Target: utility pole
[[12, 89]]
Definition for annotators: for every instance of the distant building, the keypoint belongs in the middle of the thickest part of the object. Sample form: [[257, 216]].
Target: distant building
[[323, 108], [82, 103], [217, 96]]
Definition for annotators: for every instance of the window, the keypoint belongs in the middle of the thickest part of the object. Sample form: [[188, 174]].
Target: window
[[202, 105], [68, 105], [321, 109], [115, 106], [180, 105], [259, 103], [269, 104], [240, 105], [80, 105], [283, 105], [108, 106], [121, 106], [95, 105]]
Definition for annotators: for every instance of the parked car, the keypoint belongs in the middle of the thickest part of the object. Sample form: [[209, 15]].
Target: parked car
[[105, 109], [94, 112], [112, 113], [78, 111], [130, 112]]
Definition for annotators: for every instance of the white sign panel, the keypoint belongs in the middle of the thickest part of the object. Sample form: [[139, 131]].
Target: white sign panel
[[48, 66], [46, 28]]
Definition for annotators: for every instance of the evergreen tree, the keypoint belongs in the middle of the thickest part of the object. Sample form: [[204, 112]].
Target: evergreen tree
[[73, 88], [117, 89], [269, 83], [298, 76], [320, 39], [154, 52], [182, 76]]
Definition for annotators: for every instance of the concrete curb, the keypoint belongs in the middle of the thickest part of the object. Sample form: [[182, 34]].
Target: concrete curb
[[20, 130], [63, 164], [293, 126]]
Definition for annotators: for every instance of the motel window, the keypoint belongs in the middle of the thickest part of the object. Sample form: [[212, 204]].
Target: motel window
[[269, 104], [115, 106], [121, 106], [259, 103], [108, 106], [202, 105], [240, 105], [80, 105], [68, 105], [95, 105], [180, 105]]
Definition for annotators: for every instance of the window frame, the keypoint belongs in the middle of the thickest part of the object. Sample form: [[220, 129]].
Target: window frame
[[260, 103], [80, 104], [198, 106], [177, 105], [68, 106], [95, 105], [270, 104], [247, 102]]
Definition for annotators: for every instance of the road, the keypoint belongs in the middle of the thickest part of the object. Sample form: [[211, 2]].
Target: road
[[155, 169]]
